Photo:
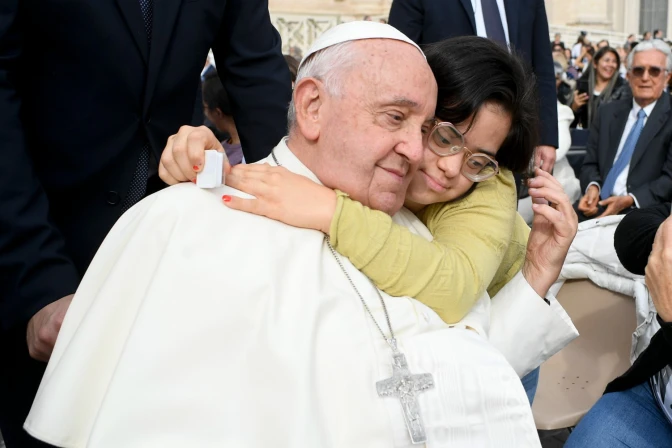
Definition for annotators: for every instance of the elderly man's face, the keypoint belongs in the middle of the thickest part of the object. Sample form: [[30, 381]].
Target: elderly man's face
[[371, 137], [647, 88]]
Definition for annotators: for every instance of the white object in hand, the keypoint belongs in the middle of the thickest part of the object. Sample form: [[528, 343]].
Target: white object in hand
[[212, 175]]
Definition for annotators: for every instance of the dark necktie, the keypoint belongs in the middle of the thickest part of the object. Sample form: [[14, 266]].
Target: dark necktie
[[493, 21], [138, 185]]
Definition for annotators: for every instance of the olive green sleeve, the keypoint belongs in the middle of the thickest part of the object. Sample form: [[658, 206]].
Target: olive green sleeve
[[448, 274]]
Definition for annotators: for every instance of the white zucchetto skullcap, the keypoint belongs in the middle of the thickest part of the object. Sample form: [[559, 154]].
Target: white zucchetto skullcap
[[347, 32]]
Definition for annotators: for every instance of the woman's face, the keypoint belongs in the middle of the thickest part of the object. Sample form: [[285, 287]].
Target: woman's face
[[440, 179], [607, 66]]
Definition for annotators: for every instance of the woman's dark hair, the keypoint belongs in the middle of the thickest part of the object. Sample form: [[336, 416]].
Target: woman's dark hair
[[214, 94], [604, 50], [470, 72]]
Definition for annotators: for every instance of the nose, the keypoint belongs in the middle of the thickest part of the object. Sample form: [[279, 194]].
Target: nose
[[646, 76], [413, 148], [450, 165]]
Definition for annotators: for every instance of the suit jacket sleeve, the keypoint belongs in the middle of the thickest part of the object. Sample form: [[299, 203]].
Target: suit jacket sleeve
[[34, 267], [659, 189], [590, 170], [542, 62], [407, 17], [255, 75]]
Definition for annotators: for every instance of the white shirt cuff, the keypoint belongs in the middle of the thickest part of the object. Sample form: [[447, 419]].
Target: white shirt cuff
[[525, 328], [634, 199], [599, 189]]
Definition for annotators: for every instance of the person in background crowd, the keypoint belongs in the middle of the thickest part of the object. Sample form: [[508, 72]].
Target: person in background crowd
[[629, 41], [217, 108], [564, 89], [647, 35], [572, 72], [383, 21], [296, 52], [367, 18], [596, 86], [636, 409], [658, 34], [623, 55], [293, 65], [628, 161], [521, 25], [116, 79], [603, 43], [557, 40], [577, 49], [585, 58], [557, 48], [568, 54]]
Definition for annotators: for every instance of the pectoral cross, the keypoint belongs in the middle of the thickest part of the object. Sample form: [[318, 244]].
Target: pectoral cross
[[406, 387]]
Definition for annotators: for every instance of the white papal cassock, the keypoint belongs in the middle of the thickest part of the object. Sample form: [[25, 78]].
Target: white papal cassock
[[200, 326]]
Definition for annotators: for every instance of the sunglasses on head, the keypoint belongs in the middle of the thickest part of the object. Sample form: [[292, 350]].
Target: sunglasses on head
[[654, 72]]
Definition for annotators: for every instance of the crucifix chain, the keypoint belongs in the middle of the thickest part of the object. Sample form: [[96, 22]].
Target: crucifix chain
[[391, 340]]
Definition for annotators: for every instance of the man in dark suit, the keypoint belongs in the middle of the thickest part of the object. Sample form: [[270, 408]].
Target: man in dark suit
[[89, 93], [628, 161], [520, 23]]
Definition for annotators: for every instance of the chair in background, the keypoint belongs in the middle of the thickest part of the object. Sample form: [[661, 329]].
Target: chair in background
[[574, 379]]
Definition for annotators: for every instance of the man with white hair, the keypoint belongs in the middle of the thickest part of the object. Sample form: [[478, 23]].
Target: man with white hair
[[197, 325], [628, 160]]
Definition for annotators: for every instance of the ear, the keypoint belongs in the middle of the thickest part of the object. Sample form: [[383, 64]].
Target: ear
[[219, 113], [309, 95]]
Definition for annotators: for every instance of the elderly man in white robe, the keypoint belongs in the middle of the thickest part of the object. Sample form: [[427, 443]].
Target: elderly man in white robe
[[200, 326]]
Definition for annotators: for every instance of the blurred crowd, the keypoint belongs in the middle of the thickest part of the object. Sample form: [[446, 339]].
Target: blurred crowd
[[589, 74]]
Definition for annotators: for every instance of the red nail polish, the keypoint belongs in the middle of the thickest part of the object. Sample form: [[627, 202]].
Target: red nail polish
[[193, 180], [226, 198], [195, 167]]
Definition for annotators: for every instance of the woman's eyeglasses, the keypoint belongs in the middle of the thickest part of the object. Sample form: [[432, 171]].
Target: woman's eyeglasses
[[444, 140], [654, 71]]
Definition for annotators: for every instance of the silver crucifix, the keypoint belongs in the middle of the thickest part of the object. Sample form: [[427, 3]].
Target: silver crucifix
[[406, 387]]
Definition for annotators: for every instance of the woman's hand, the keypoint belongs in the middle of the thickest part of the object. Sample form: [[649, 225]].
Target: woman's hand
[[282, 195], [579, 101], [553, 230]]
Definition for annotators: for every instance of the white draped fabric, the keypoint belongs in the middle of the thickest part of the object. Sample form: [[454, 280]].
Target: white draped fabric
[[200, 326]]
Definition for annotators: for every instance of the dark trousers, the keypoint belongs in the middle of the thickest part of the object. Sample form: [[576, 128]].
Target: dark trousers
[[583, 217], [600, 210], [20, 377]]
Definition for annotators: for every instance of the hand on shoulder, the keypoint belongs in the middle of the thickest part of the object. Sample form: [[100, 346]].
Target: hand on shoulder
[[184, 154], [282, 195]]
